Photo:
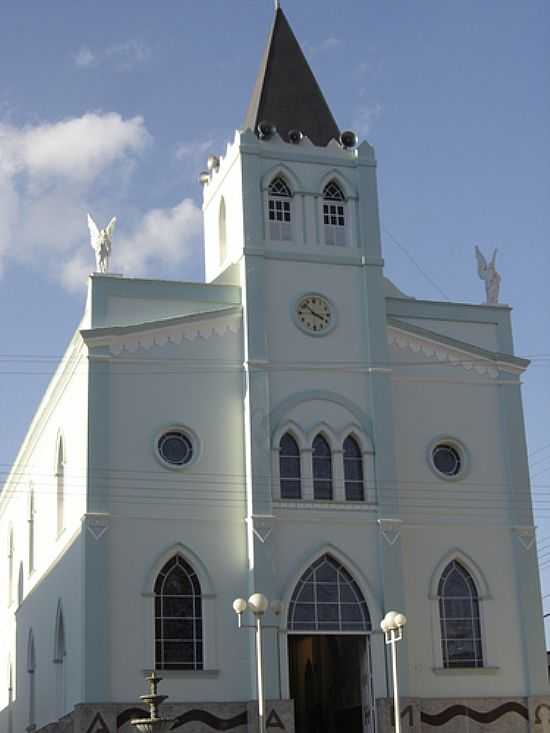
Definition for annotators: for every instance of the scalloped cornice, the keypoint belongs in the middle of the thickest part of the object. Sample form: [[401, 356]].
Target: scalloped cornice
[[432, 349], [170, 331]]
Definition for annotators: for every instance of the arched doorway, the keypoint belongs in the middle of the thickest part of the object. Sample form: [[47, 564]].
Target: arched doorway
[[329, 652]]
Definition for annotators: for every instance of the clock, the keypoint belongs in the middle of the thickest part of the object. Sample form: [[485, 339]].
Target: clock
[[314, 314]]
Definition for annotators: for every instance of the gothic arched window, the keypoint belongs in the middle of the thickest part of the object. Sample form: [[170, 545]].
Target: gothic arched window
[[31, 669], [222, 231], [31, 530], [20, 585], [178, 617], [10, 565], [289, 468], [353, 470], [327, 598], [459, 616], [60, 478], [279, 212], [59, 654], [334, 214], [322, 469]]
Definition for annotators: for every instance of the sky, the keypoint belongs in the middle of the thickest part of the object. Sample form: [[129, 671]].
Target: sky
[[113, 108]]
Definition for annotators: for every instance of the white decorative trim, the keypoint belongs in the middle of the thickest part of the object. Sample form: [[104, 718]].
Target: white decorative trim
[[390, 530], [173, 334], [430, 349], [332, 505], [526, 536]]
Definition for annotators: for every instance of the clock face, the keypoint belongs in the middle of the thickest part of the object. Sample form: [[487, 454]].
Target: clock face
[[314, 314]]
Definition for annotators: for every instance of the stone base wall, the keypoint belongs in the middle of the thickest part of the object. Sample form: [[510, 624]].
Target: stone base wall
[[418, 715], [188, 718], [467, 715]]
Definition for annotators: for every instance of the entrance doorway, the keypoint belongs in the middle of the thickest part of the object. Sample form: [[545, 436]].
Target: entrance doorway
[[330, 683], [328, 651]]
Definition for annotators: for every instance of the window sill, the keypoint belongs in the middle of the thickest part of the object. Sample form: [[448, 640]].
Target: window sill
[[353, 506], [465, 670], [176, 673]]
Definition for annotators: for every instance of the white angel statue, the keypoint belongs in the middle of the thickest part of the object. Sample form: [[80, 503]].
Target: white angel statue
[[488, 273], [101, 241]]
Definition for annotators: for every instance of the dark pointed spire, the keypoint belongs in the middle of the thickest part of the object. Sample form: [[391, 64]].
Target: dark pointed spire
[[286, 92]]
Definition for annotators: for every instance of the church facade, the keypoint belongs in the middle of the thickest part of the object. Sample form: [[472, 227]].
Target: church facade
[[295, 426]]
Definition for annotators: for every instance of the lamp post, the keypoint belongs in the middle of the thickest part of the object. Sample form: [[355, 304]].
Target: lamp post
[[392, 625], [258, 604]]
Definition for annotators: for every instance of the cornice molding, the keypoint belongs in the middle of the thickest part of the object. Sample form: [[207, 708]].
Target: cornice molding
[[159, 334], [442, 353]]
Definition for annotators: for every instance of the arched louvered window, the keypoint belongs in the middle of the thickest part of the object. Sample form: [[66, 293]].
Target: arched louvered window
[[279, 210], [353, 470], [60, 478], [334, 214], [322, 469], [178, 617], [459, 616], [289, 468], [327, 598], [222, 231], [31, 669]]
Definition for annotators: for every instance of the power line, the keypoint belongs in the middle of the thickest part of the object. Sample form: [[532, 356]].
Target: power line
[[415, 263]]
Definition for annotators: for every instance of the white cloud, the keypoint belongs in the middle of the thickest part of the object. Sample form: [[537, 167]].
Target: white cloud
[[329, 44], [78, 148], [167, 236], [52, 174], [365, 116], [123, 56], [85, 58], [191, 150]]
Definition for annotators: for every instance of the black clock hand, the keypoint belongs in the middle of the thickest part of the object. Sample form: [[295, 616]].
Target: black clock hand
[[314, 313]]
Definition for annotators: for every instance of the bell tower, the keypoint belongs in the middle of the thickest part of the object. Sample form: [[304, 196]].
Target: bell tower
[[291, 216]]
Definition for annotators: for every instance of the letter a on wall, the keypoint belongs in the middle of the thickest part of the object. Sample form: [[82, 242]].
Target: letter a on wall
[[273, 721], [98, 725]]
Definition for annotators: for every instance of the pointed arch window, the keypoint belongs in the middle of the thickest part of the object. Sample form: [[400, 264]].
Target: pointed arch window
[[322, 469], [334, 214], [31, 530], [222, 231], [178, 617], [289, 468], [11, 549], [353, 470], [459, 617], [31, 669], [327, 598], [59, 654], [20, 585], [59, 651], [279, 210], [60, 478]]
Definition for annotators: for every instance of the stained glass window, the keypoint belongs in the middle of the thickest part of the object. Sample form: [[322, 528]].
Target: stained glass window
[[178, 617], [327, 598], [459, 614], [322, 469], [353, 470], [289, 468]]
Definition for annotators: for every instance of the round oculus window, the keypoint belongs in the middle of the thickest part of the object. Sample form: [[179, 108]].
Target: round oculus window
[[447, 459], [175, 448]]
